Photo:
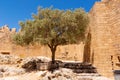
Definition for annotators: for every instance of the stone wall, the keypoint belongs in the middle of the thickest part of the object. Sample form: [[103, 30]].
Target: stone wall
[[105, 35], [68, 52], [5, 39]]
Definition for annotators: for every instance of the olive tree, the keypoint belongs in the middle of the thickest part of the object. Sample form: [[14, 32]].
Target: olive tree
[[53, 27]]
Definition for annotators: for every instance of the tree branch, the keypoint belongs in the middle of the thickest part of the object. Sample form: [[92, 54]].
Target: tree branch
[[49, 45]]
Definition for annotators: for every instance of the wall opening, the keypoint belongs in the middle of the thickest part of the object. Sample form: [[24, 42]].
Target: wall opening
[[5, 53]]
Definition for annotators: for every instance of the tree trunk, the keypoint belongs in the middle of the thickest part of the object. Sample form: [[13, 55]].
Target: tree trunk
[[53, 49], [53, 55]]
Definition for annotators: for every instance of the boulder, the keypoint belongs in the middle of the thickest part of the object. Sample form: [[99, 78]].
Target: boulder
[[42, 66], [30, 64], [36, 63]]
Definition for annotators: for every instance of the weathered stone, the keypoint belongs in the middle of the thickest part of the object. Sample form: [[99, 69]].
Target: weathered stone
[[105, 30], [53, 66], [30, 64], [42, 66], [9, 59], [104, 47]]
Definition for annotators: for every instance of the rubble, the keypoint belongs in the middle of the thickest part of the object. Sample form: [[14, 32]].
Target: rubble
[[9, 59], [68, 74], [10, 70], [36, 63], [38, 67]]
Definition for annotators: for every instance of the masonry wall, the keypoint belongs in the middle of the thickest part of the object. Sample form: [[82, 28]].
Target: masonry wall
[[105, 35], [67, 52], [5, 42]]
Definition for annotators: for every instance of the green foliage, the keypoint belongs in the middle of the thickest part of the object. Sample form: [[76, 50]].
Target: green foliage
[[53, 27], [17, 38]]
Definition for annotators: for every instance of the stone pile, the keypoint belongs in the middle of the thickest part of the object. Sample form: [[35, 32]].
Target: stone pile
[[9, 59], [6, 70], [63, 74], [36, 63]]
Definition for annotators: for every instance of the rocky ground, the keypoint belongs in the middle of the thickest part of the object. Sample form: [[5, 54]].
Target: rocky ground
[[15, 68]]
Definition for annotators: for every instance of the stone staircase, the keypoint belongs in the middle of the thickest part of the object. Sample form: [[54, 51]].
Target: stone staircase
[[79, 67]]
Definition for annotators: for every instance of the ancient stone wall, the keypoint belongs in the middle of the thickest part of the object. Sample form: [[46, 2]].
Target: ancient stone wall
[[5, 40], [105, 35], [68, 52]]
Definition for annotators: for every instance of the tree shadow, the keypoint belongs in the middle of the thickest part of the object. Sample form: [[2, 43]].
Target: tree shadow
[[54, 66], [87, 47]]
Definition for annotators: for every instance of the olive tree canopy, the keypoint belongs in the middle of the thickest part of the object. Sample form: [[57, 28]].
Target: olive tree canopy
[[53, 27]]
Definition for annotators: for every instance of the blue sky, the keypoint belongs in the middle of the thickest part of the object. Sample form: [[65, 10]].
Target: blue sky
[[13, 11]]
